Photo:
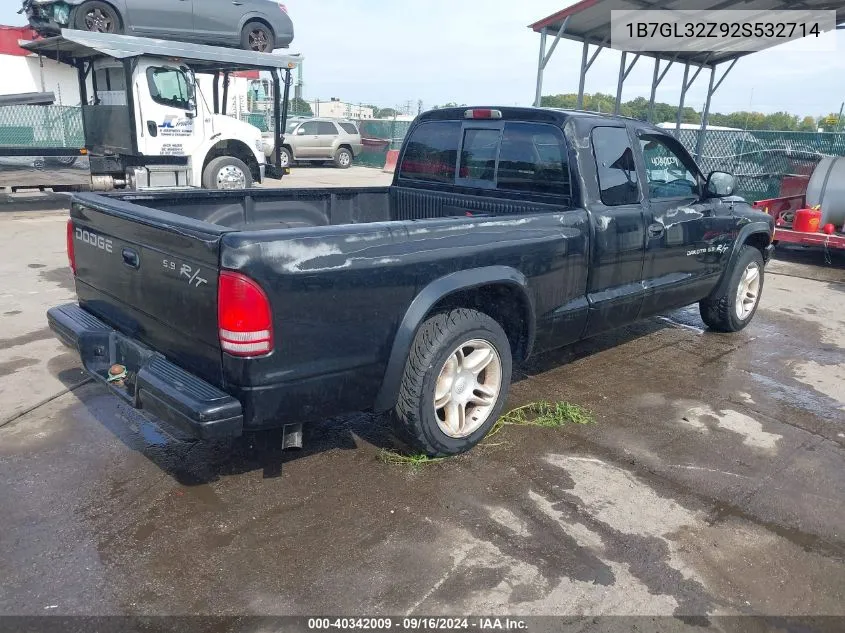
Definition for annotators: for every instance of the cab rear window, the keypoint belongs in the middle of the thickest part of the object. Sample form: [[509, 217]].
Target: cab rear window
[[519, 156], [431, 153]]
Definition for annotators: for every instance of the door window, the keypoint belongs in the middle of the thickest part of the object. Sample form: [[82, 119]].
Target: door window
[[432, 152], [616, 168], [669, 172], [309, 128], [478, 154], [326, 128], [170, 87], [533, 159]]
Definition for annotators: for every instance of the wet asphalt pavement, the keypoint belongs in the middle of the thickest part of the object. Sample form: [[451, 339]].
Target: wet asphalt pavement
[[712, 482]]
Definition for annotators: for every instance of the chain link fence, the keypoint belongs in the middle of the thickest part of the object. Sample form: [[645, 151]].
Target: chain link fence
[[41, 126], [766, 164]]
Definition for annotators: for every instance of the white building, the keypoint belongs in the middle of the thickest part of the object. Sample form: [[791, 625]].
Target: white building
[[337, 109], [25, 72]]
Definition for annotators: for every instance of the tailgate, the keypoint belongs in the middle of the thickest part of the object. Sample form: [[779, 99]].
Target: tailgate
[[151, 275]]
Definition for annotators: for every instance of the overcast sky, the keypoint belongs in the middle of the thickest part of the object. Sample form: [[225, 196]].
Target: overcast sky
[[480, 51]]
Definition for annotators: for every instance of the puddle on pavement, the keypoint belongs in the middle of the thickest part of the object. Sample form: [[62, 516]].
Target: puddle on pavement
[[706, 420]]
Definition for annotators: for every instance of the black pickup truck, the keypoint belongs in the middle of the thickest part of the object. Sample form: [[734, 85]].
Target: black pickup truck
[[506, 232]]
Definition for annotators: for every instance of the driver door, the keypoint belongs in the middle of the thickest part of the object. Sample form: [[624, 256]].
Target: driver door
[[307, 143], [685, 241], [168, 121]]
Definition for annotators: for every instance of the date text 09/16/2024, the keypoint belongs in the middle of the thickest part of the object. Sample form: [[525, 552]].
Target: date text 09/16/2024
[[419, 624]]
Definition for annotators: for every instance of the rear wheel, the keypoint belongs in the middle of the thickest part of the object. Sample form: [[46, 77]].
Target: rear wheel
[[734, 308], [258, 37], [455, 382], [343, 158], [227, 172], [98, 17]]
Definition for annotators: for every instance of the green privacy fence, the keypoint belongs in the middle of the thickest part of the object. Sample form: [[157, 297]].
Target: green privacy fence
[[379, 135], [41, 126], [767, 164]]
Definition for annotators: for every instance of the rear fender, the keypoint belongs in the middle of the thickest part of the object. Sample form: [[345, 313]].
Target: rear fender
[[421, 307]]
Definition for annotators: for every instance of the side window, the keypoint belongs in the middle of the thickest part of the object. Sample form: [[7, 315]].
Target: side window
[[349, 128], [169, 86], [668, 171], [615, 164], [533, 158], [326, 128], [309, 128], [478, 154], [431, 152]]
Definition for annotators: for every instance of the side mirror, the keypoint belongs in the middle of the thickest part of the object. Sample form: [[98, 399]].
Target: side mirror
[[720, 184], [300, 131]]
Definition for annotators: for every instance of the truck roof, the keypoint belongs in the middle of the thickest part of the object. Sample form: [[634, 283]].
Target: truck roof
[[520, 113]]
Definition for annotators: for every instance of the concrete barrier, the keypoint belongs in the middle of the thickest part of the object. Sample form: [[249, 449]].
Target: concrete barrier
[[391, 160]]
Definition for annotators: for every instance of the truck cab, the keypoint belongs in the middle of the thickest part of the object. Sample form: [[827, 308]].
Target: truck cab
[[173, 118]]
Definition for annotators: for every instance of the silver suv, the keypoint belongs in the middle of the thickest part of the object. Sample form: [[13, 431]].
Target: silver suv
[[321, 140]]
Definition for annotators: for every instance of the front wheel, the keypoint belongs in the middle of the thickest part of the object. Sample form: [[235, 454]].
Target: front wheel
[[227, 172], [98, 17], [258, 37], [455, 382], [734, 308], [285, 158]]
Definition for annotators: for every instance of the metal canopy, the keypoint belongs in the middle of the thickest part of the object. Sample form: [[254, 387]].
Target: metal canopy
[[72, 46], [588, 22]]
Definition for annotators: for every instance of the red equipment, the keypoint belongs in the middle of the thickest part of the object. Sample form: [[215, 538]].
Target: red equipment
[[785, 210], [807, 220]]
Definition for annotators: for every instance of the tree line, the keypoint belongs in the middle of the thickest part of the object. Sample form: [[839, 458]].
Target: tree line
[[663, 112]]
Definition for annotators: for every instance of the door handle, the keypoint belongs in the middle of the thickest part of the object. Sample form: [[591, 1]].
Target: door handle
[[656, 230], [130, 258], [152, 128]]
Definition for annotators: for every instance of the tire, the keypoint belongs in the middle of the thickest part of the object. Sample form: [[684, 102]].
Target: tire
[[258, 37], [416, 416], [227, 172], [286, 157], [722, 313], [343, 158], [99, 17]]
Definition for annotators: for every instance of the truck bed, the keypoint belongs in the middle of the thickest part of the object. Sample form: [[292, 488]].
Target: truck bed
[[272, 208]]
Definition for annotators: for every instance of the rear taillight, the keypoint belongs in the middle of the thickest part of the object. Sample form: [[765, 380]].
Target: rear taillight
[[283, 7], [244, 318], [71, 253]]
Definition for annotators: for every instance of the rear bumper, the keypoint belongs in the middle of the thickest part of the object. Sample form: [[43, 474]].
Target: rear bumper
[[153, 384]]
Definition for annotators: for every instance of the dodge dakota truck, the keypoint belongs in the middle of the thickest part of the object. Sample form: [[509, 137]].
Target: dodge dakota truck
[[506, 232]]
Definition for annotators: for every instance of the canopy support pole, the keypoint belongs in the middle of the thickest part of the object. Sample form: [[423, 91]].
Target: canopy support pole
[[544, 59], [705, 116], [585, 66], [655, 82], [623, 75], [684, 88]]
